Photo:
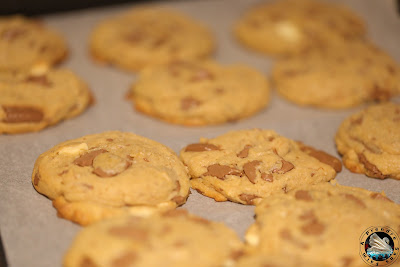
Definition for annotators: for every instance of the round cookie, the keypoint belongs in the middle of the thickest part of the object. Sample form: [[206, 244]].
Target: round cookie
[[109, 174], [345, 77], [247, 165], [32, 101], [147, 36], [291, 27], [369, 141], [27, 44], [322, 223], [200, 93], [173, 239]]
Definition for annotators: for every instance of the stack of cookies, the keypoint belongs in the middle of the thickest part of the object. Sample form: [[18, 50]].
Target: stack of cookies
[[33, 94], [128, 190]]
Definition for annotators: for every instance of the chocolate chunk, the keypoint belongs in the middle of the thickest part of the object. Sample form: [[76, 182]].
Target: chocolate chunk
[[322, 157], [244, 152], [200, 147], [355, 199], [220, 171], [13, 33], [250, 170], [372, 170], [286, 167], [36, 179], [380, 94], [346, 261], [267, 177], [303, 195], [179, 200], [248, 198], [41, 80], [314, 227], [21, 114], [380, 196], [129, 231], [87, 262], [87, 159], [189, 103], [125, 260], [286, 234]]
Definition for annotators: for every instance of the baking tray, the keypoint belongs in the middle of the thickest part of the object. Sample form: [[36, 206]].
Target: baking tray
[[32, 233]]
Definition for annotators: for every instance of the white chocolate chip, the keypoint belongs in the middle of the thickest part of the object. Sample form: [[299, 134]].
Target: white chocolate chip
[[74, 149], [39, 69], [288, 31], [252, 240]]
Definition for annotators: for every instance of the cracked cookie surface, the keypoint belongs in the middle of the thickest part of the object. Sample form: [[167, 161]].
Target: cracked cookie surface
[[148, 36], [171, 239], [294, 26], [245, 166], [369, 141], [32, 101], [341, 78], [109, 174], [312, 221], [26, 44], [200, 93]]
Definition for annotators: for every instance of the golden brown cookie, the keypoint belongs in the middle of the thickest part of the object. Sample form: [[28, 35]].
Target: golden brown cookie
[[149, 35], [345, 77], [109, 174], [293, 26], [173, 239], [322, 223], [27, 44], [246, 166], [369, 141], [200, 93], [31, 101]]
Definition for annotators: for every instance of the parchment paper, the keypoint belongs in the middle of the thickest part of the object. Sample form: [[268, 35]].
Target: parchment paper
[[31, 231]]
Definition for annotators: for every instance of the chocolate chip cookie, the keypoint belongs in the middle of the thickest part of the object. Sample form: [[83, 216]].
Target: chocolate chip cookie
[[109, 174], [322, 223], [173, 239], [246, 166], [290, 27], [28, 44], [31, 101], [149, 35], [369, 141], [348, 76], [200, 93]]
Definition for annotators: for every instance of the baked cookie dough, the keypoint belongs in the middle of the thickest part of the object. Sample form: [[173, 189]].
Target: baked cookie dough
[[110, 174], [31, 101], [345, 77], [369, 141], [27, 44], [278, 260], [322, 223], [291, 27], [245, 166], [199, 93], [173, 239], [149, 35]]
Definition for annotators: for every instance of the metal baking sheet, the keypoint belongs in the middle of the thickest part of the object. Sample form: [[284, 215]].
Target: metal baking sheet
[[32, 233]]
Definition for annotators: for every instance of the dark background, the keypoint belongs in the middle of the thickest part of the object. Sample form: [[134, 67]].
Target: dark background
[[38, 7]]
